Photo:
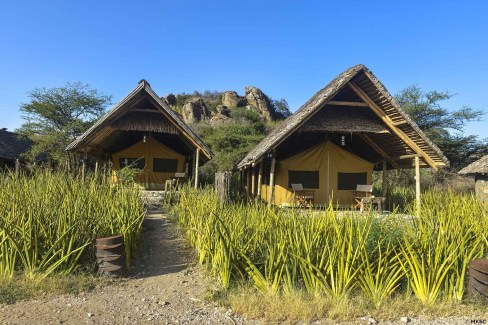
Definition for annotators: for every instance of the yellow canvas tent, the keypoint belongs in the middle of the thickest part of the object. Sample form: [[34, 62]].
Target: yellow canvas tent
[[142, 130], [327, 161], [157, 162], [365, 129]]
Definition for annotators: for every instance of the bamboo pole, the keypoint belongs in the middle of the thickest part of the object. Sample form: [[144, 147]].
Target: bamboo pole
[[197, 158], [271, 180], [260, 179], [253, 182], [96, 167], [384, 185], [417, 183]]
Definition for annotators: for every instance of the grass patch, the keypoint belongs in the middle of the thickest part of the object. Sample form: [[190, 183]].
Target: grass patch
[[23, 288], [321, 264], [299, 306]]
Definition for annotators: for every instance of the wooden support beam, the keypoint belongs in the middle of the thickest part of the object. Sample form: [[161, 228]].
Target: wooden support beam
[[404, 157], [271, 180], [197, 158], [386, 119], [17, 168], [144, 110], [253, 181], [343, 103], [260, 179], [417, 184], [400, 123], [384, 185], [241, 181], [383, 154], [83, 166]]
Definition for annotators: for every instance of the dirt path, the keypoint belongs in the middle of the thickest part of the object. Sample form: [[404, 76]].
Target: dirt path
[[162, 289]]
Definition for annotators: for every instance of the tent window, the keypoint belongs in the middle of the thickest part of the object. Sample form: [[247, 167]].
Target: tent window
[[308, 179], [137, 163], [349, 181], [161, 165]]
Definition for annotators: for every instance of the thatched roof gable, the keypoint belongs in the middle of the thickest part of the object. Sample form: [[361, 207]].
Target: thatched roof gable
[[142, 110], [12, 146], [478, 167], [391, 130]]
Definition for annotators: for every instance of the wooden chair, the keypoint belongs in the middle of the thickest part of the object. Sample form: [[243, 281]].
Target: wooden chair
[[362, 197], [179, 179], [303, 198], [175, 182]]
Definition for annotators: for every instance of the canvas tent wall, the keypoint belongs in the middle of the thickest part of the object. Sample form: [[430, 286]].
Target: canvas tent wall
[[156, 162], [324, 168]]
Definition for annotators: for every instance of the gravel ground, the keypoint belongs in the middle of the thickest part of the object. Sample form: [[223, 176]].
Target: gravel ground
[[162, 288]]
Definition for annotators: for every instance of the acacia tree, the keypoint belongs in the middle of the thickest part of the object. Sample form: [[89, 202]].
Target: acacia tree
[[54, 117], [445, 128]]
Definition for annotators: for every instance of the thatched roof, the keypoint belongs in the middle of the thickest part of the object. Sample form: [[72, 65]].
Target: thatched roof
[[386, 128], [478, 167], [141, 111], [12, 146]]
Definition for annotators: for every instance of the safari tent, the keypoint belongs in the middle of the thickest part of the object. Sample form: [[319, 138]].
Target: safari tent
[[479, 169], [335, 141], [141, 131]]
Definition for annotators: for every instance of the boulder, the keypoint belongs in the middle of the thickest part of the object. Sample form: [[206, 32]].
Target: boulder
[[170, 99], [195, 111], [219, 119], [258, 101], [232, 99], [224, 110]]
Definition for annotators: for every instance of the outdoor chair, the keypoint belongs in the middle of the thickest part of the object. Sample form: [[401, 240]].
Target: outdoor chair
[[362, 197], [303, 198], [175, 182]]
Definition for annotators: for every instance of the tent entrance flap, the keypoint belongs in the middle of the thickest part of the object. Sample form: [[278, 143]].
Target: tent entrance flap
[[156, 163], [326, 162]]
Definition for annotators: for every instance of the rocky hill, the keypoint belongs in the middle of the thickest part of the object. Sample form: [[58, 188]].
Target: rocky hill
[[216, 108]]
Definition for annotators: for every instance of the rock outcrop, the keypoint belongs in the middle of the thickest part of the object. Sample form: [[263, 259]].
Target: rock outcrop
[[170, 99], [232, 99], [218, 107], [258, 101], [195, 111]]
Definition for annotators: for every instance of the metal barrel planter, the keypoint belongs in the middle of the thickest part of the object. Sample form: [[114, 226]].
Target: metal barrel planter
[[478, 278], [111, 255]]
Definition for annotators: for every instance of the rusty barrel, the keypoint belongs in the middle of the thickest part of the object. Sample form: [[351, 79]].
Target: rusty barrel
[[478, 278], [111, 255]]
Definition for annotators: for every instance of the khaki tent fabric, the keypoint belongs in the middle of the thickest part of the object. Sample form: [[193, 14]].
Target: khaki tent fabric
[[149, 150], [327, 158]]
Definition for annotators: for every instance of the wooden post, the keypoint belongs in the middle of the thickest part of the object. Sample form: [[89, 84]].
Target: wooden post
[[83, 166], [241, 181], [417, 184], [197, 158], [260, 179], [96, 167], [222, 185], [253, 182], [384, 185], [271, 180], [17, 168]]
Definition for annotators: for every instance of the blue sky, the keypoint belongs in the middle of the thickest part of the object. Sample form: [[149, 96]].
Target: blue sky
[[289, 49]]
